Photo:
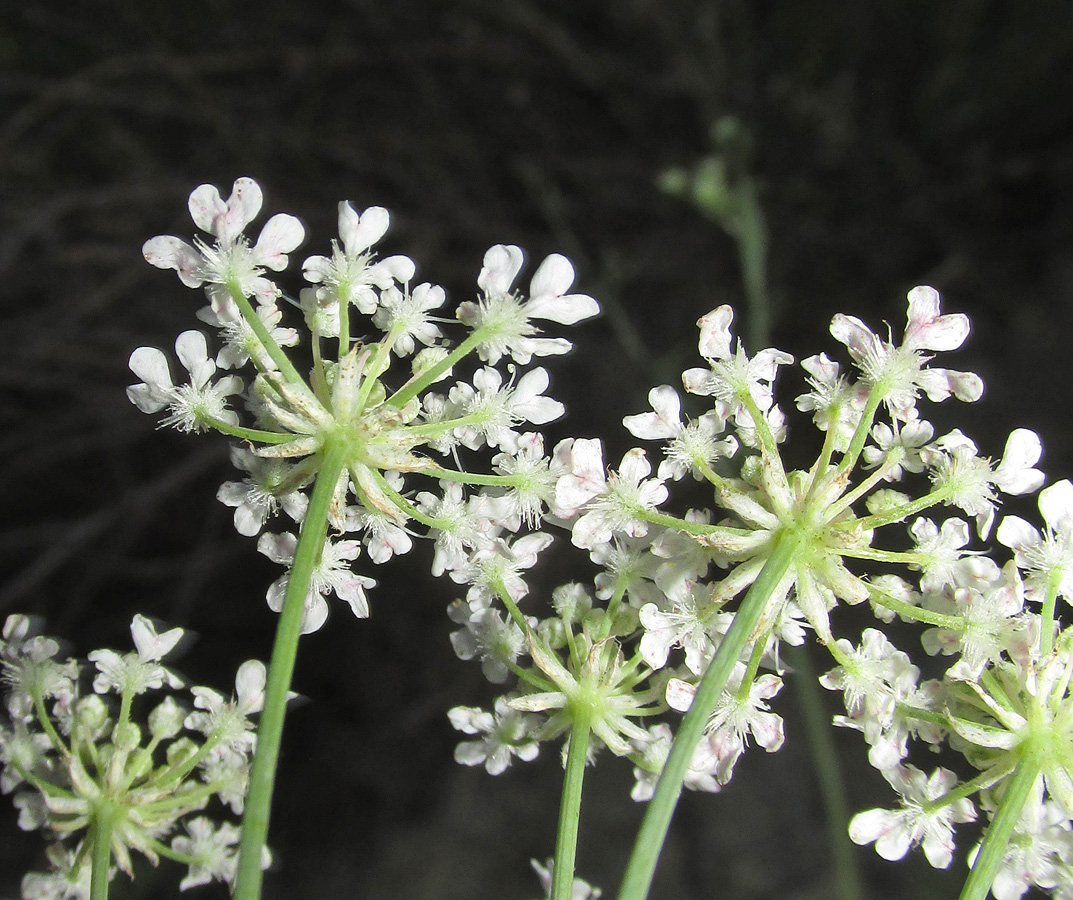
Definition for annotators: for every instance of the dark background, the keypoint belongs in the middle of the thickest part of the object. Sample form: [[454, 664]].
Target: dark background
[[894, 144]]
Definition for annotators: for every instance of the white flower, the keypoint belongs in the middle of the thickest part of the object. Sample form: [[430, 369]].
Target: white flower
[[241, 344], [228, 720], [69, 879], [626, 493], [1046, 559], [256, 498], [505, 317], [732, 375], [700, 776], [230, 260], [351, 270], [406, 316], [497, 640], [909, 438], [494, 408], [941, 549], [504, 735], [970, 480], [680, 627], [140, 671], [734, 719], [919, 820], [194, 406], [214, 850], [899, 371], [689, 443], [832, 398], [331, 575]]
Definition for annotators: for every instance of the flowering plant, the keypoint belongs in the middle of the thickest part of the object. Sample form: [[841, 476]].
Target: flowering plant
[[671, 656]]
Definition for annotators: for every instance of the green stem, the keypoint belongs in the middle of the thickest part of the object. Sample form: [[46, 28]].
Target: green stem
[[997, 839], [570, 806], [270, 729], [250, 434], [657, 820], [102, 851], [751, 235], [418, 383], [273, 349]]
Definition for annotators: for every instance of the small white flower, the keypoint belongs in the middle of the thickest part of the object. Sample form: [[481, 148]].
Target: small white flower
[[140, 671], [732, 375], [626, 493], [406, 315], [899, 371], [504, 735], [230, 260], [734, 719], [353, 269], [1046, 559], [688, 443], [919, 821], [229, 719], [214, 849], [194, 406], [256, 498], [506, 316], [331, 575]]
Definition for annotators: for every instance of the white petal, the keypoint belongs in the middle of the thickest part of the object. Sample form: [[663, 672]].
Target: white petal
[[151, 366], [206, 206], [193, 353], [149, 644], [502, 263], [715, 335], [360, 232], [250, 685], [1015, 533], [1056, 504], [167, 252], [680, 694], [553, 276], [281, 235]]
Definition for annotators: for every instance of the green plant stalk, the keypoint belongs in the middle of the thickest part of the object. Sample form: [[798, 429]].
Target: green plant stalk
[[845, 871], [997, 839], [650, 837], [281, 668], [751, 236], [102, 851], [570, 805]]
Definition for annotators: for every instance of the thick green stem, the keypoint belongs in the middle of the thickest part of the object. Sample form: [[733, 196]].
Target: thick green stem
[[997, 839], [657, 820], [570, 806], [270, 729], [102, 851]]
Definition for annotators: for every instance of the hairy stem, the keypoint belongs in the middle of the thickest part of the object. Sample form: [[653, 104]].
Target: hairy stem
[[997, 839], [570, 806], [102, 851], [653, 831], [288, 631]]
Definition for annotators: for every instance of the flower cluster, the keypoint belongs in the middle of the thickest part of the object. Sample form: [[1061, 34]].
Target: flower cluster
[[87, 764], [670, 590], [380, 415]]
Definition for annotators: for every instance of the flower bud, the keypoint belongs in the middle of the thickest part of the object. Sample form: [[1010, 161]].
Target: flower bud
[[91, 714], [127, 736], [166, 720], [181, 750]]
